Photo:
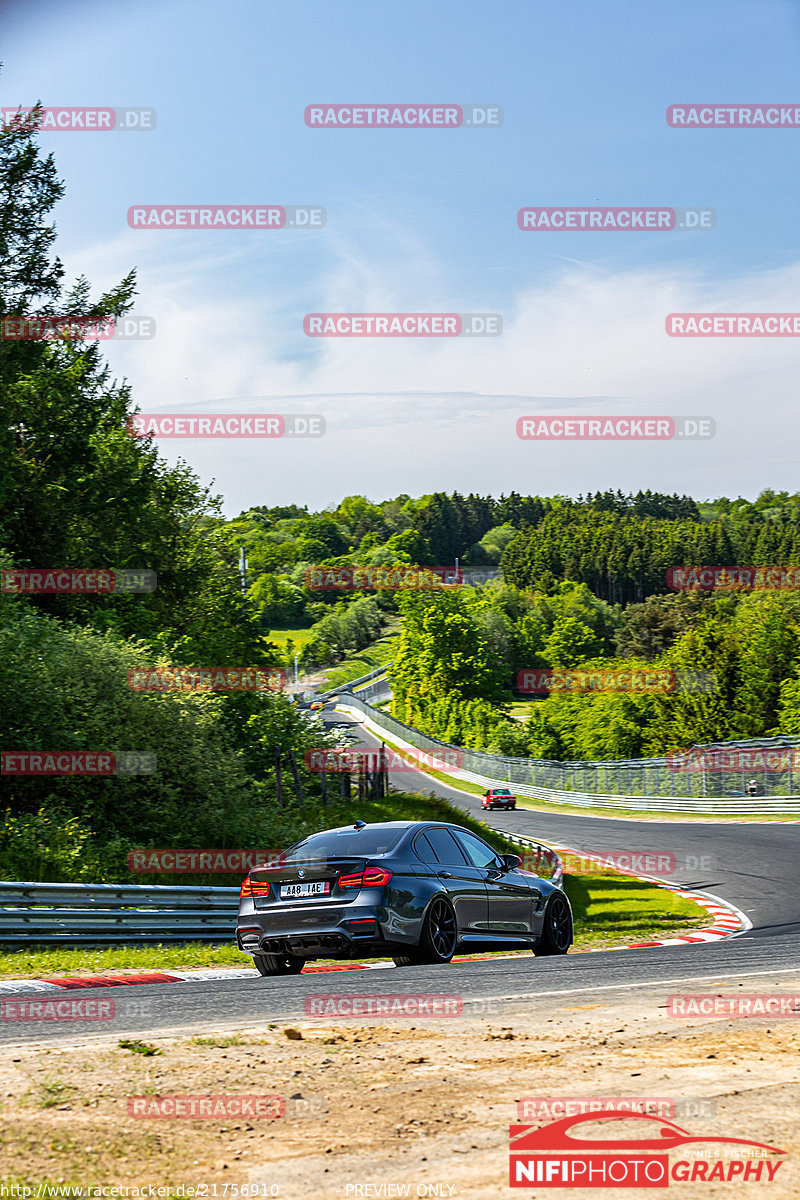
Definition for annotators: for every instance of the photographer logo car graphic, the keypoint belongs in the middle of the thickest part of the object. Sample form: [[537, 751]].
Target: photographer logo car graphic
[[555, 1156]]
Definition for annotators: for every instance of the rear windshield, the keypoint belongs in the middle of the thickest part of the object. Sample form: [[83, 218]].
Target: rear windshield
[[346, 843]]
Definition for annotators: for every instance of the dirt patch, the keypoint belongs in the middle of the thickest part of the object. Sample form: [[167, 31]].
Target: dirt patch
[[421, 1106]]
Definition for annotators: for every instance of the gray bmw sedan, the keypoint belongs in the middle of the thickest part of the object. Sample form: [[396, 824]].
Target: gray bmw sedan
[[414, 891]]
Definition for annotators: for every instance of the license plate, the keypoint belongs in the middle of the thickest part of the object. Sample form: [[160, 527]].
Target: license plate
[[290, 890]]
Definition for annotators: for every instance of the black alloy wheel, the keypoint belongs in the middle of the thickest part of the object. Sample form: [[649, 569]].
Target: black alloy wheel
[[439, 937], [557, 929]]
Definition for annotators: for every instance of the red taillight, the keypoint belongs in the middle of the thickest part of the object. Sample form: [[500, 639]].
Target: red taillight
[[369, 877], [253, 887]]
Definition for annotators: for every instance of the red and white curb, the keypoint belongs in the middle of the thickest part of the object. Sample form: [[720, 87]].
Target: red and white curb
[[726, 922]]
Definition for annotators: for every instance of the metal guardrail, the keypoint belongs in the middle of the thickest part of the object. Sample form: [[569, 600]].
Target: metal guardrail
[[379, 689], [537, 856], [715, 806], [70, 914], [377, 673], [79, 914], [655, 783]]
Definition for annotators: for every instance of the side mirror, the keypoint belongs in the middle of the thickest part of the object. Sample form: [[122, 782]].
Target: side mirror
[[511, 861]]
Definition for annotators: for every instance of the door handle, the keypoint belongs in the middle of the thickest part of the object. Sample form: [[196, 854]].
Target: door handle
[[444, 874]]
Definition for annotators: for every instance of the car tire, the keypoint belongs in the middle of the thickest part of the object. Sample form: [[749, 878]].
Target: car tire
[[437, 943], [278, 964], [557, 927], [512, 807]]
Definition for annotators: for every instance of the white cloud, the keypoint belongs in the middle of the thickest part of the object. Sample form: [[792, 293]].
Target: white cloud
[[417, 415]]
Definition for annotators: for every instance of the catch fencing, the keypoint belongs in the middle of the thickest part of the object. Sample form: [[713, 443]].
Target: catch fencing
[[674, 783]]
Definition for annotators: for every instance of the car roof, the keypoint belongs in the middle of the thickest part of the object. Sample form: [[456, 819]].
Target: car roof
[[407, 825], [351, 828]]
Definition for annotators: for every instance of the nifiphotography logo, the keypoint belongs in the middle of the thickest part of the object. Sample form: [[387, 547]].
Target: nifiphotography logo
[[656, 1153]]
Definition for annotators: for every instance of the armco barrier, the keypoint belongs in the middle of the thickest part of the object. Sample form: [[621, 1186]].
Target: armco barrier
[[646, 784], [543, 857], [74, 914], [68, 914], [363, 683]]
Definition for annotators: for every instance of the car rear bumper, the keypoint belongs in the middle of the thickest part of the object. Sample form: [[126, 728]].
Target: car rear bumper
[[322, 931]]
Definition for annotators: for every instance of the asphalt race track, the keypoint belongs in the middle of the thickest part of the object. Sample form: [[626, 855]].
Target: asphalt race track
[[754, 867]]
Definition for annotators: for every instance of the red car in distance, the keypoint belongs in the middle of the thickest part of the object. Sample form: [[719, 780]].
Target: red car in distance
[[498, 798]]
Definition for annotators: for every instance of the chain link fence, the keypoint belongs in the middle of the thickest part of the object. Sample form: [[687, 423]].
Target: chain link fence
[[755, 767]]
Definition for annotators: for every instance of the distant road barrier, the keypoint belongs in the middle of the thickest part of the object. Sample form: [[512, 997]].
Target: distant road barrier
[[665, 784]]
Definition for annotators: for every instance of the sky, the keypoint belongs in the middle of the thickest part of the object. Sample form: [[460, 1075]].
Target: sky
[[425, 221]]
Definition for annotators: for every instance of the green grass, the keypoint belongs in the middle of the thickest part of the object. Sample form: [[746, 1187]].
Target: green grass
[[378, 654], [300, 637], [147, 1049], [219, 1043], [610, 908], [97, 961]]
